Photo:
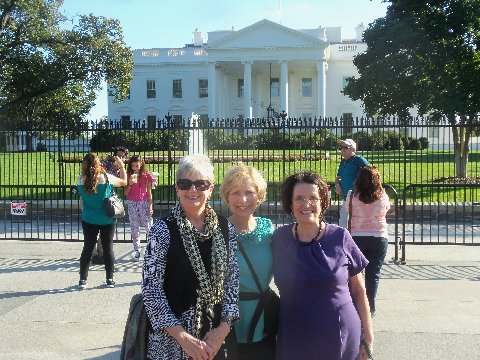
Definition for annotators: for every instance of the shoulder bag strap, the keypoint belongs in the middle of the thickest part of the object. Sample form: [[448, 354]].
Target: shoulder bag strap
[[261, 305], [250, 266], [349, 226]]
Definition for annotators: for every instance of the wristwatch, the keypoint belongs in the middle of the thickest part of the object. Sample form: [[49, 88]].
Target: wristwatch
[[228, 320]]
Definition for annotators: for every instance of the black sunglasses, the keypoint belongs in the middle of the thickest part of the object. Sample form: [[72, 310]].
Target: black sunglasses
[[343, 147], [186, 184]]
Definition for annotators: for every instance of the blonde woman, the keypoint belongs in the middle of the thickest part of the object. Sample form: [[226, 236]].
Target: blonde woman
[[243, 189]]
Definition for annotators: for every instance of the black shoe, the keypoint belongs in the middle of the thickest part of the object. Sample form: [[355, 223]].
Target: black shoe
[[98, 260], [110, 283], [82, 284]]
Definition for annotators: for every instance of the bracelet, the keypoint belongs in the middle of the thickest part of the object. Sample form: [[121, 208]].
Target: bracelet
[[368, 349], [228, 320]]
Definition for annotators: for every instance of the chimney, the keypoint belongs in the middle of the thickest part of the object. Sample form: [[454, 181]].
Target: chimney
[[359, 32], [197, 38]]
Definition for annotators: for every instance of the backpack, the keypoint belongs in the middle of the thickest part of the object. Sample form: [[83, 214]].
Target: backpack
[[135, 336]]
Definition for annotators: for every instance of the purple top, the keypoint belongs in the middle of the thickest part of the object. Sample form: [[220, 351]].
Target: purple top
[[317, 315]]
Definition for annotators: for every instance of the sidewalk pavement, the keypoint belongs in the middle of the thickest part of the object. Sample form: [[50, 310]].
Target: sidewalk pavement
[[426, 309]]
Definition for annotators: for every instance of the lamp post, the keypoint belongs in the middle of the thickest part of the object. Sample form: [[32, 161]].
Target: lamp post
[[168, 117], [270, 112]]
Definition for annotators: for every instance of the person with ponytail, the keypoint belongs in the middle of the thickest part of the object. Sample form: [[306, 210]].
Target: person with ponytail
[[94, 185]]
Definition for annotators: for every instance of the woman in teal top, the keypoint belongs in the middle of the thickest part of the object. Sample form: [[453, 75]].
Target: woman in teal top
[[93, 189], [243, 189]]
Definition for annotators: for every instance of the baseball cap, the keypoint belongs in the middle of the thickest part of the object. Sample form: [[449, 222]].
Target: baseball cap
[[348, 143]]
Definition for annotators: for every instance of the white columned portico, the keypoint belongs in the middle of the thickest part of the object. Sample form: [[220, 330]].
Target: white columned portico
[[212, 84], [322, 88], [284, 85], [247, 89]]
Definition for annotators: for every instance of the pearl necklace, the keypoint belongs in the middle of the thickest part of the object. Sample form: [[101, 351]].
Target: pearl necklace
[[295, 229]]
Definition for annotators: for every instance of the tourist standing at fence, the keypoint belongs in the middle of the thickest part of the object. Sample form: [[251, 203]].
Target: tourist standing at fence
[[347, 173], [111, 168], [368, 207], [190, 272], [243, 189], [324, 311], [140, 204], [93, 188]]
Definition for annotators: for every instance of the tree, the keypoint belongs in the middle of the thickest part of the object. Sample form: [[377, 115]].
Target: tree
[[424, 54], [52, 66]]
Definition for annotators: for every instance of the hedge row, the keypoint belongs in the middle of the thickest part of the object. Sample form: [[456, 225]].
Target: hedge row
[[164, 159], [217, 139]]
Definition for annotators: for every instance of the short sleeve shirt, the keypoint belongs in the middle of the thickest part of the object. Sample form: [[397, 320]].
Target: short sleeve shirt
[[93, 206], [138, 191], [348, 170]]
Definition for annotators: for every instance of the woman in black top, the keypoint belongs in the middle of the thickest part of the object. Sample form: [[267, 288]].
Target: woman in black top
[[190, 272]]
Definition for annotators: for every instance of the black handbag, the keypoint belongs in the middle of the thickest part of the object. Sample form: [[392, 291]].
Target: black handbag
[[113, 204], [269, 303]]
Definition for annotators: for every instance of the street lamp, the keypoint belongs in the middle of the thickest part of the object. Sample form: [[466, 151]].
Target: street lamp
[[270, 112]]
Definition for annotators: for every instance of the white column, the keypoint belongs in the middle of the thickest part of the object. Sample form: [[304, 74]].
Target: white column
[[322, 88], [225, 95], [247, 89], [212, 84], [284, 86], [218, 91], [260, 106]]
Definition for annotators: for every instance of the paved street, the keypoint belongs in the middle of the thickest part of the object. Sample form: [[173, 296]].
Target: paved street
[[427, 309]]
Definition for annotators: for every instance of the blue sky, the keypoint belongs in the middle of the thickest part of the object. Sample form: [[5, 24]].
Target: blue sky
[[157, 23]]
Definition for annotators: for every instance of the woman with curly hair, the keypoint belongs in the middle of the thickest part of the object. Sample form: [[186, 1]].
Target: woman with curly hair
[[369, 204], [324, 313], [94, 185]]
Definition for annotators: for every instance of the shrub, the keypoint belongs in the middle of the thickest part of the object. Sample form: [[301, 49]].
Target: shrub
[[364, 140], [414, 144], [378, 140], [41, 147], [393, 141], [423, 143]]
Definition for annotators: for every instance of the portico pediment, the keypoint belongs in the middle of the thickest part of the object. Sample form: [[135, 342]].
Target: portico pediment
[[264, 34]]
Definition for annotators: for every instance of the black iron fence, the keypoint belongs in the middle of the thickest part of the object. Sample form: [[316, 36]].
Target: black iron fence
[[39, 165]]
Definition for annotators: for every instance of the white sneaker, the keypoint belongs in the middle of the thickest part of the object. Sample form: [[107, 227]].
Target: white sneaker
[[136, 256]]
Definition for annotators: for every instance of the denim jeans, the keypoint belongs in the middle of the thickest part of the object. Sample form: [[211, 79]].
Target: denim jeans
[[90, 233], [374, 249]]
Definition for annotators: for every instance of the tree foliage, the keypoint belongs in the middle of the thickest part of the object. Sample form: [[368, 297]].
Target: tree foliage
[[52, 66], [424, 54]]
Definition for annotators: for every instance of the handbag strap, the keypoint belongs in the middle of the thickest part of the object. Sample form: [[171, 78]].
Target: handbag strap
[[250, 266], [260, 296], [112, 191], [349, 226]]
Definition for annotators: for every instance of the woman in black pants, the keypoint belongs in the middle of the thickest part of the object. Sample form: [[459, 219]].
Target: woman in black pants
[[93, 188], [368, 205]]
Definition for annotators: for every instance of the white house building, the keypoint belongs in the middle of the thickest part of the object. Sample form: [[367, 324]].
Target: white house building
[[242, 73]]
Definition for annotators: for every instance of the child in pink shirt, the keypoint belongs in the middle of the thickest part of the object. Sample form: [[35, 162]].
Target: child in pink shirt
[[140, 204]]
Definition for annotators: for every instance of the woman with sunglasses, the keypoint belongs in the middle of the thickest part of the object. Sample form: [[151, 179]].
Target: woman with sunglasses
[[190, 272], [324, 313]]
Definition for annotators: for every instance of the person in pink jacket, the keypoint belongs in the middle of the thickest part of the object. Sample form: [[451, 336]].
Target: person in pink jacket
[[369, 205]]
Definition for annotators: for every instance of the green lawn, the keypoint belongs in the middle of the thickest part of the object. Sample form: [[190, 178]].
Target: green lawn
[[398, 169]]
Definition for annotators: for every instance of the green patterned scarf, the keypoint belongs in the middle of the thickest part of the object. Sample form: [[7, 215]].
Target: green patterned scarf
[[211, 288]]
